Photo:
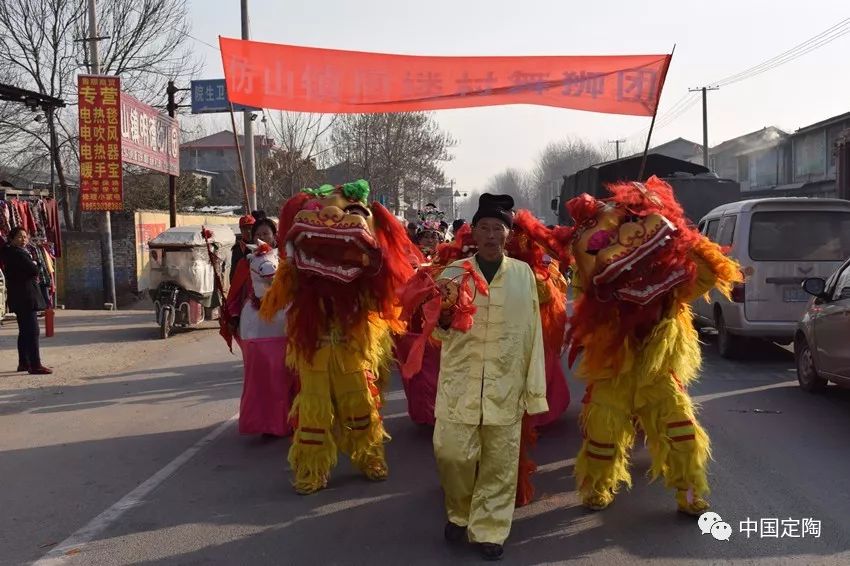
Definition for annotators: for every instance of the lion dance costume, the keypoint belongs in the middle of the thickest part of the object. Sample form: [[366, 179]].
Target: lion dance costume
[[639, 265], [343, 263]]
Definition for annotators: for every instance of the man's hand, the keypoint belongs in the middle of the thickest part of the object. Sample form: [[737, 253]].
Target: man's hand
[[445, 319]]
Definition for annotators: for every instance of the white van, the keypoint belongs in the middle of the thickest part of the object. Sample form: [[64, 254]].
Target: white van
[[779, 242]]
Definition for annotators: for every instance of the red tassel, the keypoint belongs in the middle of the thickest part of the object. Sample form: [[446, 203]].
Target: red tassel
[[527, 466]]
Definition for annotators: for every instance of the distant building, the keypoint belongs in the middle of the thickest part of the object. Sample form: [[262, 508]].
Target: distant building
[[216, 154], [771, 162], [680, 148], [723, 158], [337, 174]]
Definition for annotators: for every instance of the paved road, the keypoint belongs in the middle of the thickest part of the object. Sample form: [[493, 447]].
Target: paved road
[[66, 458]]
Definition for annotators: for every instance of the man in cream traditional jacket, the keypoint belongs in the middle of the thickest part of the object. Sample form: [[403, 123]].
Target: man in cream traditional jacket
[[489, 377]]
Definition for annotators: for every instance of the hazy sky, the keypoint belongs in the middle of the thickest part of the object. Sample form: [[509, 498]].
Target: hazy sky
[[713, 40]]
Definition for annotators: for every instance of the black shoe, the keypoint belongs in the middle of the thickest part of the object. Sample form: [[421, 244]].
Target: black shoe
[[454, 533], [23, 367], [490, 551]]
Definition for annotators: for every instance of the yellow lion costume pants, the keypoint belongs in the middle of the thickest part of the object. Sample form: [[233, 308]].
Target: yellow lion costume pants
[[647, 393], [336, 408]]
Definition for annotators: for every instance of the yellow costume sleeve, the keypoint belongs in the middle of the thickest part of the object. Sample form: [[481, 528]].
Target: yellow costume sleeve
[[535, 379]]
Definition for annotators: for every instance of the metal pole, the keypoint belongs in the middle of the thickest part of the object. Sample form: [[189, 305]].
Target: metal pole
[[52, 151], [704, 128], [250, 169], [654, 116], [107, 221], [247, 201], [172, 179], [617, 145]]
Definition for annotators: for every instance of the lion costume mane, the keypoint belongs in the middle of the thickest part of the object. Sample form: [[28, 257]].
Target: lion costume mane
[[343, 262], [639, 264]]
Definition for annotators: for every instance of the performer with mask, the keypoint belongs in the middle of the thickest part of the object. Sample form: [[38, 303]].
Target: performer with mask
[[490, 376], [430, 231]]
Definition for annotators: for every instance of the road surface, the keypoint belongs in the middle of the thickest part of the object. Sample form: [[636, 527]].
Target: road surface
[[130, 455]]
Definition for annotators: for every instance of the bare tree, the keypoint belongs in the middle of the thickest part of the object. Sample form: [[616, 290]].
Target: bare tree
[[148, 190], [401, 155], [146, 44], [557, 160], [301, 148], [515, 183]]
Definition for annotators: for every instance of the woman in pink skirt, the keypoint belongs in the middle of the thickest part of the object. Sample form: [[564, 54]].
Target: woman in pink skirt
[[269, 386]]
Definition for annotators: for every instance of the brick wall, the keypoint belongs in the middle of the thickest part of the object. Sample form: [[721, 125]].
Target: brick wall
[[124, 257], [82, 281], [80, 270]]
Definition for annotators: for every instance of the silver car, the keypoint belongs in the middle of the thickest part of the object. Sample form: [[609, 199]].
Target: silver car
[[822, 342]]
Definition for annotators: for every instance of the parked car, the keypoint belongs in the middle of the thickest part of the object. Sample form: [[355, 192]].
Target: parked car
[[822, 342], [779, 242]]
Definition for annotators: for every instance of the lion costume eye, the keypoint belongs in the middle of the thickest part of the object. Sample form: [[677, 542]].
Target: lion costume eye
[[358, 209]]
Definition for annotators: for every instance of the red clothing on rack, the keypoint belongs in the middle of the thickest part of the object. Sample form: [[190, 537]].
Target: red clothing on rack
[[54, 233]]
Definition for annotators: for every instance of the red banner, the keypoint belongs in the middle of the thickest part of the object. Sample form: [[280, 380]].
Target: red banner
[[100, 143], [306, 79], [149, 138]]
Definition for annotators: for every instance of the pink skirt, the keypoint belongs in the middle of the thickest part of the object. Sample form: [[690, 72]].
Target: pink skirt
[[421, 389], [268, 388]]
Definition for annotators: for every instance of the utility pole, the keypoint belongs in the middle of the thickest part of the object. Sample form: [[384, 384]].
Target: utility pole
[[171, 90], [172, 107], [247, 117], [617, 144], [704, 90], [107, 221]]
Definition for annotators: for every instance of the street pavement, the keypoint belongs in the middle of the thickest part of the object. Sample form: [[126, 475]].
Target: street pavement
[[142, 464]]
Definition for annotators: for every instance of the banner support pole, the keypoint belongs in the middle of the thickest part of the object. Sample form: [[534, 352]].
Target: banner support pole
[[241, 166], [654, 115]]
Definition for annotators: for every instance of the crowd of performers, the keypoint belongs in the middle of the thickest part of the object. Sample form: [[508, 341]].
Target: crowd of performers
[[327, 303]]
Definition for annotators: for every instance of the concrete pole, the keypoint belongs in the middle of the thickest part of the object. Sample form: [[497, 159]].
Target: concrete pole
[[250, 167], [704, 90], [109, 264]]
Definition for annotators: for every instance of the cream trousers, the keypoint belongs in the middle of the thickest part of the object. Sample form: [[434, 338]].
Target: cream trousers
[[478, 471]]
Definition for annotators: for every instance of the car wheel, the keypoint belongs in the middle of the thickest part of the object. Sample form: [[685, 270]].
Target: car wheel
[[728, 345], [807, 374]]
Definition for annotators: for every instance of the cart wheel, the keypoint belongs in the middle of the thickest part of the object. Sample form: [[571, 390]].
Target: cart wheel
[[165, 324]]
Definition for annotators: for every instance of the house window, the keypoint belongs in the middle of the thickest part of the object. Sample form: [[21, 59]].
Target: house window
[[810, 156], [831, 136], [743, 168], [763, 169]]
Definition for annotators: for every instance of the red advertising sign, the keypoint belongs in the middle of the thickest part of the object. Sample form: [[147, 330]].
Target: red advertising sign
[[100, 143], [148, 137], [305, 79]]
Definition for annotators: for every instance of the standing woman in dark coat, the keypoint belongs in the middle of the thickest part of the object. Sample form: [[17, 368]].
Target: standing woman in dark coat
[[25, 299]]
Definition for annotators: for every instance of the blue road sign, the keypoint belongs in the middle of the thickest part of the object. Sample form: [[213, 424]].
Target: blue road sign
[[210, 95]]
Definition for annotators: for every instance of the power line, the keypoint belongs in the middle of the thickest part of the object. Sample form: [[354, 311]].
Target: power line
[[216, 47], [184, 32], [817, 41], [828, 35]]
